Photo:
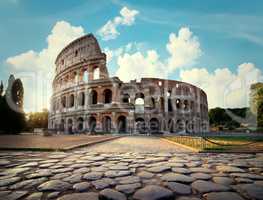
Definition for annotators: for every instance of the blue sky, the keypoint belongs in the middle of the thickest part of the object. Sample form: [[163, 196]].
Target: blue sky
[[230, 32]]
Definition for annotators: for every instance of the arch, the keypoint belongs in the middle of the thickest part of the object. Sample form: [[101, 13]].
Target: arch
[[122, 124], [80, 123], [189, 126], [139, 103], [93, 97], [92, 124], [96, 73], [153, 106], [86, 76], [161, 102], [186, 105], [126, 98], [178, 104], [140, 125], [63, 102], [107, 96], [71, 100], [171, 125], [106, 124], [70, 126], [81, 99], [154, 125], [62, 125]]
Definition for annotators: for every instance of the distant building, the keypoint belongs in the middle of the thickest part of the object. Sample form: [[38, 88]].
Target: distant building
[[86, 99]]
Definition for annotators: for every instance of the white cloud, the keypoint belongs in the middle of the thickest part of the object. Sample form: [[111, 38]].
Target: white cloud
[[36, 69], [184, 49], [223, 87], [109, 30], [137, 65]]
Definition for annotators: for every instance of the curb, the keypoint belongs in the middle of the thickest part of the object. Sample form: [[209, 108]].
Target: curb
[[181, 145], [60, 149]]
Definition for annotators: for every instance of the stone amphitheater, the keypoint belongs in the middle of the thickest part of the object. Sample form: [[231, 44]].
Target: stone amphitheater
[[86, 99]]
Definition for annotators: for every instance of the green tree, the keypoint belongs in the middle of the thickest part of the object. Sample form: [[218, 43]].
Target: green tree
[[256, 102]]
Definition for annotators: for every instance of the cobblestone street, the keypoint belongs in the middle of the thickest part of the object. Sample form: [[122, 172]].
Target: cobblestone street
[[130, 168]]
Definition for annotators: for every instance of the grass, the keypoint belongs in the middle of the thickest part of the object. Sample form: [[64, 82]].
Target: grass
[[221, 143]]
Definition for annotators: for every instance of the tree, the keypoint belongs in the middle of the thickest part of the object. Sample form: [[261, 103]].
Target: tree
[[37, 120], [256, 102], [11, 107]]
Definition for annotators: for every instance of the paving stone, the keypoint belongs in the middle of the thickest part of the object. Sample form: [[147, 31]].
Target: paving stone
[[54, 185], [16, 171], [83, 186], [97, 158], [80, 196], [243, 180], [110, 194], [75, 178], [188, 198], [153, 192], [173, 177], [128, 188], [16, 195], [223, 195], [61, 176], [158, 169], [208, 186], [35, 196], [9, 181], [247, 175], [146, 175], [128, 179], [259, 183], [115, 173], [93, 175], [53, 195], [28, 184], [201, 176], [99, 169], [229, 169], [103, 183], [40, 173], [201, 169], [30, 164], [119, 167], [223, 180], [4, 162], [81, 170], [253, 191], [178, 188], [181, 170]]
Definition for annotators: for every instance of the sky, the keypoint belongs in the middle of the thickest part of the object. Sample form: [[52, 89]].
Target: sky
[[215, 45]]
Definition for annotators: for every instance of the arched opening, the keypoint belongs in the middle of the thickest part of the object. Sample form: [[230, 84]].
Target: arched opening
[[171, 126], [62, 125], [122, 124], [161, 101], [126, 98], [80, 124], [75, 76], [180, 126], [170, 105], [85, 76], [178, 104], [93, 97], [70, 126], [107, 96], [139, 103], [186, 105], [153, 103], [189, 126], [92, 124], [106, 124], [154, 125], [96, 73], [82, 99], [63, 102], [71, 100], [140, 125]]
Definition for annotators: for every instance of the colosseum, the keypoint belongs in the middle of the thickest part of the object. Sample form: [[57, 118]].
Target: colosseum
[[87, 100]]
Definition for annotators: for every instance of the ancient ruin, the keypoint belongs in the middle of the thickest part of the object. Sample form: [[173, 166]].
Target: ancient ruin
[[85, 99]]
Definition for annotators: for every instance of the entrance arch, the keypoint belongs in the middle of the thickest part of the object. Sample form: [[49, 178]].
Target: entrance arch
[[106, 124], [140, 125], [80, 123], [122, 124], [107, 96], [92, 124], [154, 125], [70, 126]]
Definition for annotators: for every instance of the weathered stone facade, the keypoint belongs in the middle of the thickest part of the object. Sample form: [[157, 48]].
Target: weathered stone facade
[[86, 99]]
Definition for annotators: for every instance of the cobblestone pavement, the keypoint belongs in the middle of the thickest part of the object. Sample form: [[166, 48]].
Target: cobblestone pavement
[[138, 144], [91, 175]]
